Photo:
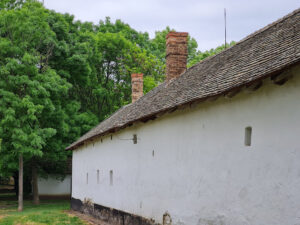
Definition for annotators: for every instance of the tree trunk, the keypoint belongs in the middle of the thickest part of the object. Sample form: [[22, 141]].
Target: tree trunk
[[20, 201], [35, 188]]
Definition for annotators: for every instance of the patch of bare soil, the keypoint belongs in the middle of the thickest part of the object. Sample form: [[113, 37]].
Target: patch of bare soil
[[86, 218]]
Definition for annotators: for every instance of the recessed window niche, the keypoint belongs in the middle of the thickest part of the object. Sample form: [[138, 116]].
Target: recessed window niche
[[248, 136], [134, 139], [111, 178]]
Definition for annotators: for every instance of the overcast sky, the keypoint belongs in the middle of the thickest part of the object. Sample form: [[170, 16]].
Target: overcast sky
[[202, 19]]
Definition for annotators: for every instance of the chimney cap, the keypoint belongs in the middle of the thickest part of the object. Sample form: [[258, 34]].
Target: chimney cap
[[138, 75], [177, 34]]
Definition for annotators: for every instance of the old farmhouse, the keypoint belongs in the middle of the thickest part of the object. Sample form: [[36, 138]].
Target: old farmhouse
[[215, 144]]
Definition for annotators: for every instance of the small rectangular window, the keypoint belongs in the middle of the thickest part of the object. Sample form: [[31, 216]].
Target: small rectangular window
[[111, 178], [87, 178], [98, 177], [248, 134], [134, 139]]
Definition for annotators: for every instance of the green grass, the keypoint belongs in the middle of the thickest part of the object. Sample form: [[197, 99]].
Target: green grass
[[48, 212]]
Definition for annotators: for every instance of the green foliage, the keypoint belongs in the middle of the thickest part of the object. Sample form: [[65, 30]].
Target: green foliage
[[60, 77], [10, 4], [141, 39], [32, 94], [149, 84], [117, 59], [199, 56], [158, 44]]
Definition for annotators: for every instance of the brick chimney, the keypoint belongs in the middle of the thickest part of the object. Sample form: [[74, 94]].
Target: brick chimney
[[176, 54], [136, 86]]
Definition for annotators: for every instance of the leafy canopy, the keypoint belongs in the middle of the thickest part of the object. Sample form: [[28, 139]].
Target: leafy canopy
[[60, 77]]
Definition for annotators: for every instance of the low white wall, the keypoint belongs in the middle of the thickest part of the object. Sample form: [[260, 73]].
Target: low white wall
[[194, 164], [52, 186]]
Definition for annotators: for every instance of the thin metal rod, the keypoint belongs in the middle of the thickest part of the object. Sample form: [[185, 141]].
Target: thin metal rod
[[225, 26]]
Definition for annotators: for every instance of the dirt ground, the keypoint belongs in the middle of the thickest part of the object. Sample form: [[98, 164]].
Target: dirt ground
[[88, 219]]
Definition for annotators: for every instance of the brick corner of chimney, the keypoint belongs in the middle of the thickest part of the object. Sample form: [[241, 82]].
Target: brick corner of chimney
[[176, 54], [136, 86]]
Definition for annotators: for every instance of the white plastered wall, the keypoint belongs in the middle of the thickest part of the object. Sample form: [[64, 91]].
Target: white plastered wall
[[53, 186], [194, 164]]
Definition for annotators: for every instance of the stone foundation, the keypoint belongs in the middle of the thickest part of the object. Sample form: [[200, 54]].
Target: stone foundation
[[112, 216]]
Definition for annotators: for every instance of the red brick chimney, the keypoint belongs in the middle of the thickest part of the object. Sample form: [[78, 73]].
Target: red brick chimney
[[176, 54], [136, 86]]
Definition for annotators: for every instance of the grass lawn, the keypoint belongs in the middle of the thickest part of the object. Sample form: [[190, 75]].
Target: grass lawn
[[48, 212]]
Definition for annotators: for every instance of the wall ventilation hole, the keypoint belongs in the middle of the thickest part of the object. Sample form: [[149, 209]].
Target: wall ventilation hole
[[134, 139], [153, 153], [87, 178], [110, 137], [248, 134], [101, 140], [111, 178], [98, 177]]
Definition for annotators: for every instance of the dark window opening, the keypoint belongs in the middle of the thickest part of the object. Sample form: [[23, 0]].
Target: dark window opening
[[248, 134], [111, 178]]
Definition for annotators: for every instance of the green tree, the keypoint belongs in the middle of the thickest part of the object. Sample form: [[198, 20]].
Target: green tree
[[30, 91], [98, 62], [117, 59], [60, 77], [10, 4], [140, 38]]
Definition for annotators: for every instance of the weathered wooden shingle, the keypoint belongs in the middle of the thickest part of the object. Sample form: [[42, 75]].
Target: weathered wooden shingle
[[258, 56]]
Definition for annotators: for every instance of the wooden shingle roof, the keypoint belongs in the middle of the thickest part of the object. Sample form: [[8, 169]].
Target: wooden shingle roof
[[262, 54]]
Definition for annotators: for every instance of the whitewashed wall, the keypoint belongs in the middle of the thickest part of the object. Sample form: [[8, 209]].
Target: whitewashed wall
[[194, 164], [52, 186]]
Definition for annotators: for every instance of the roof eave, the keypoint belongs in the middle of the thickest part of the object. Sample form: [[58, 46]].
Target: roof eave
[[230, 92]]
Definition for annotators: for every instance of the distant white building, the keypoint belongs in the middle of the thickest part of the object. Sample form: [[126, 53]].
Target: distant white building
[[54, 187], [216, 145]]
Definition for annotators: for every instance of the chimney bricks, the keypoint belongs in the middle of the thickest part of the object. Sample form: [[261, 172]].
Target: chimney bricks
[[136, 86], [176, 54]]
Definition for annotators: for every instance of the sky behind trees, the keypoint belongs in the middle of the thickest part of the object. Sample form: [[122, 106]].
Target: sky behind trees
[[203, 19]]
